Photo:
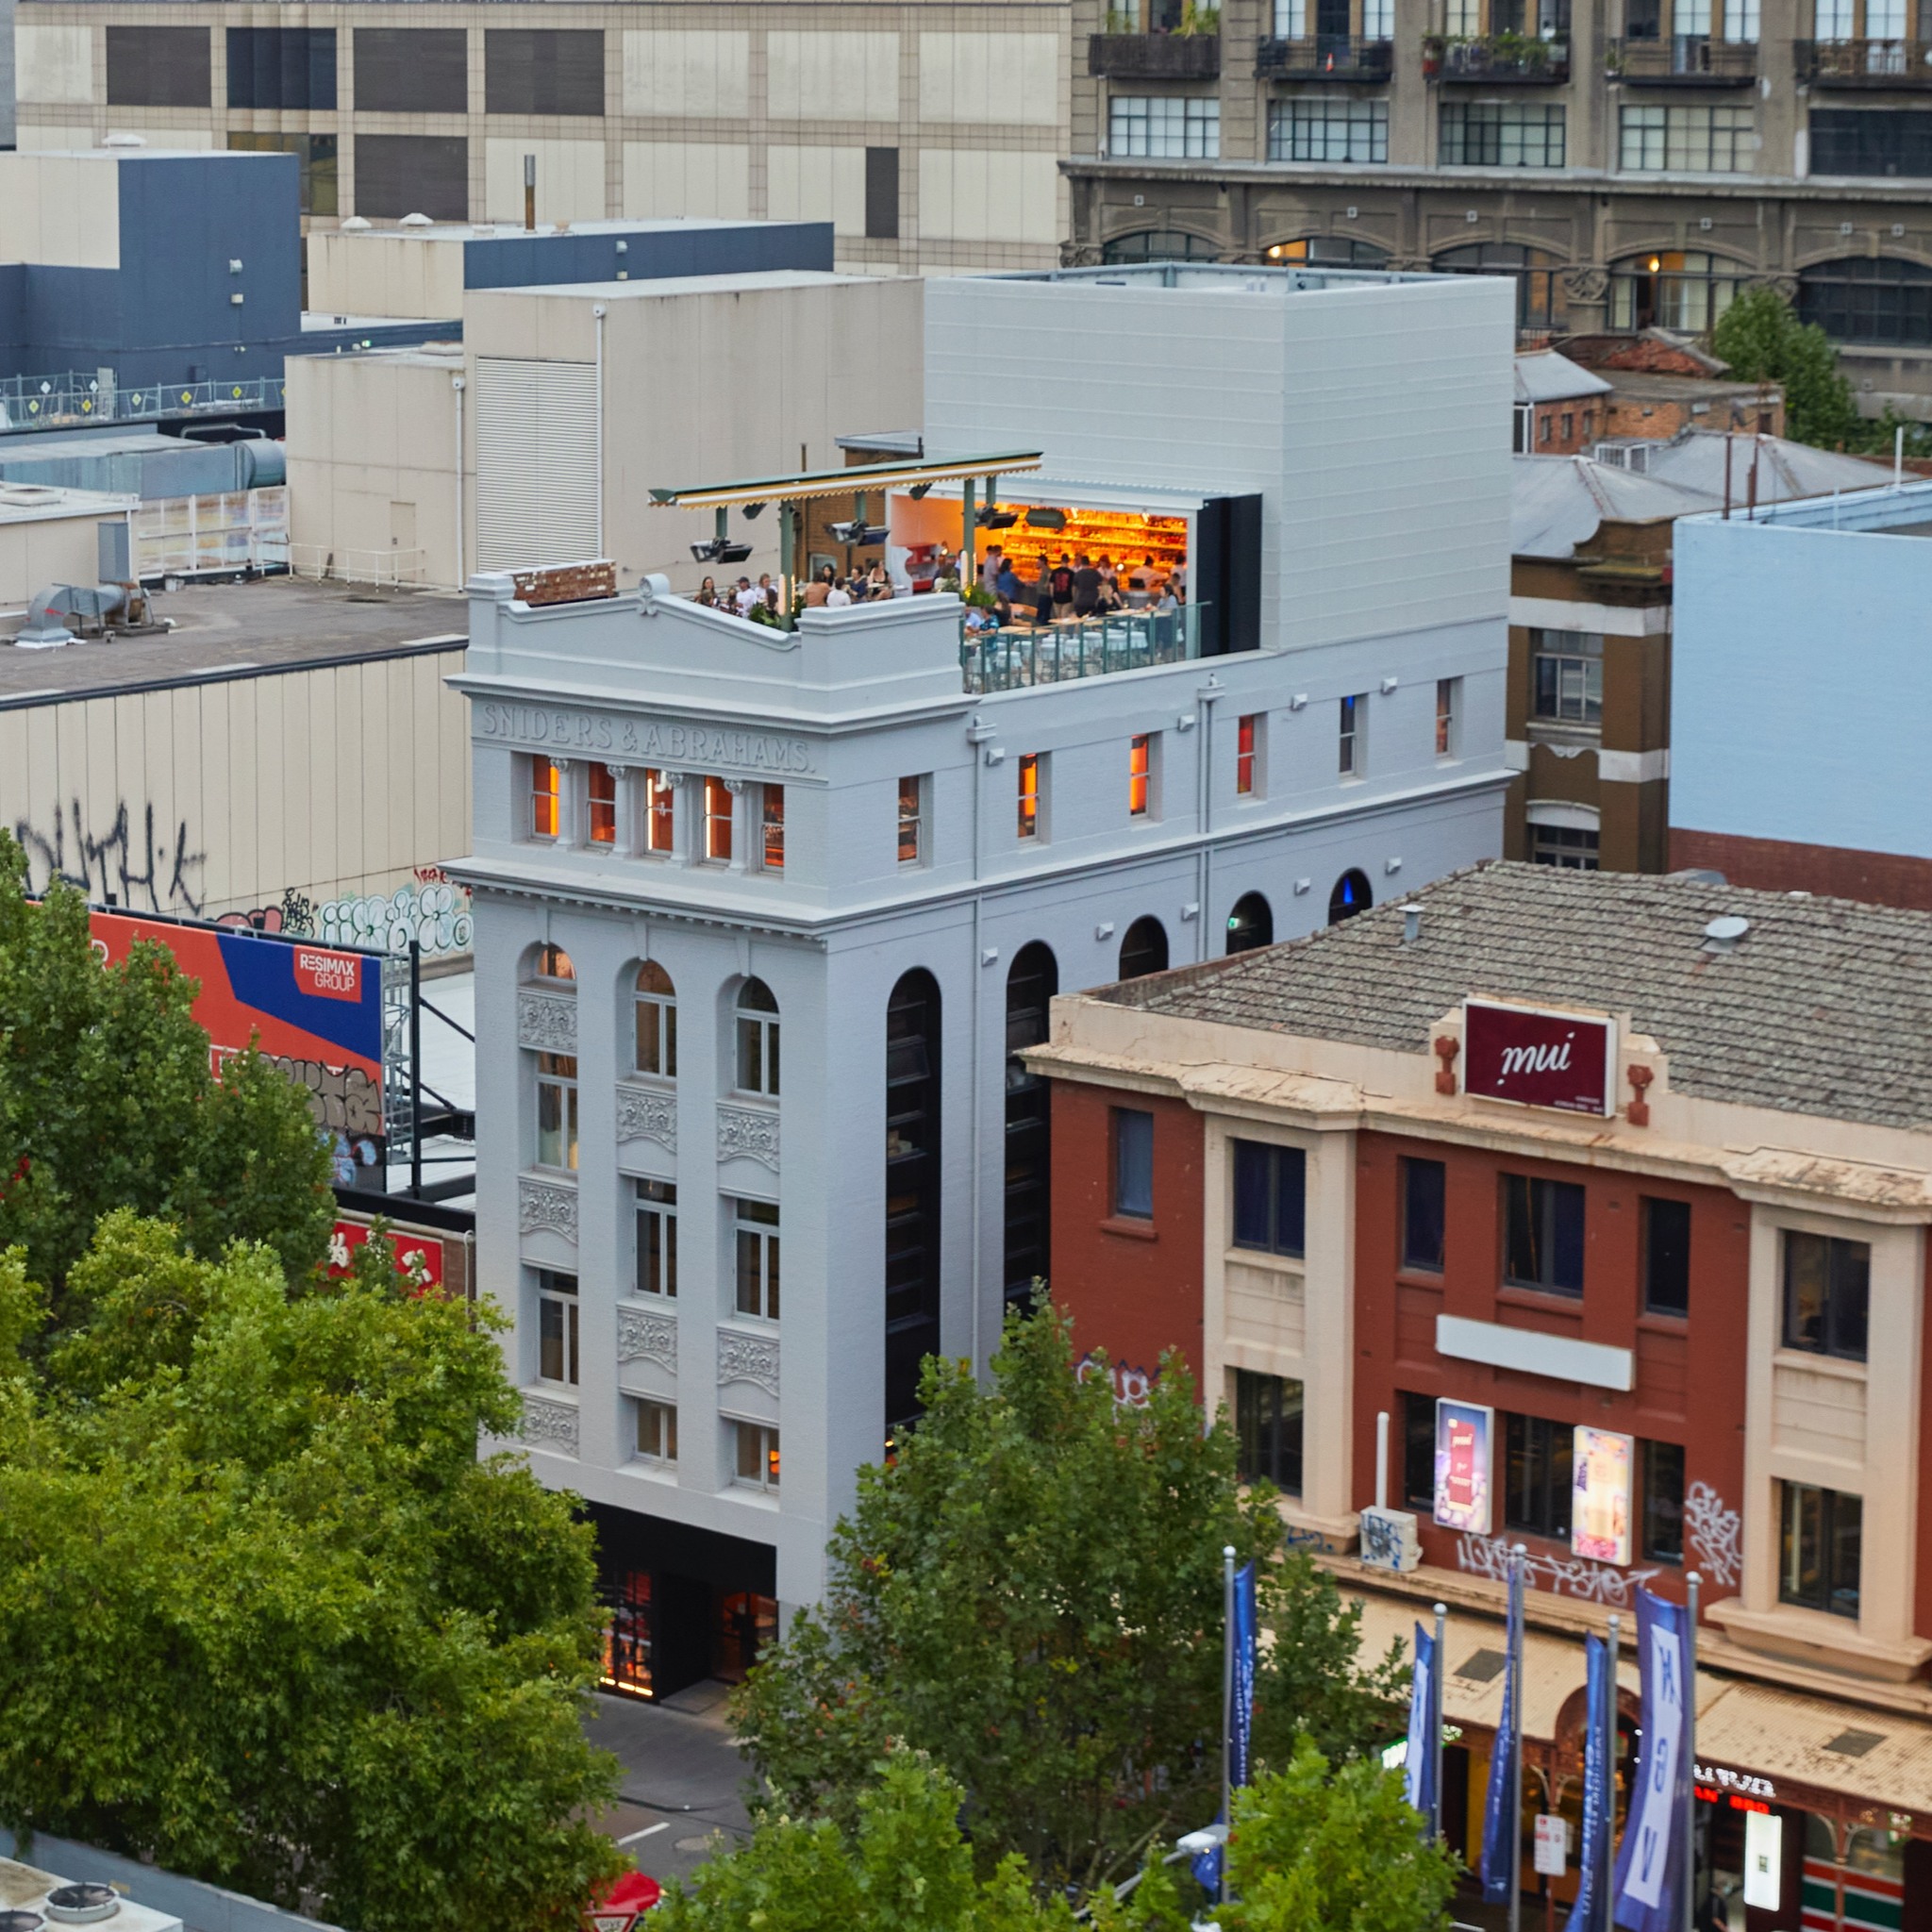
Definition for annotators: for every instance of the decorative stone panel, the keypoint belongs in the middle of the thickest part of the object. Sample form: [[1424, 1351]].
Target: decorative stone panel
[[549, 1425], [647, 1113], [647, 1334], [548, 1206], [546, 1022], [748, 1359], [750, 1133]]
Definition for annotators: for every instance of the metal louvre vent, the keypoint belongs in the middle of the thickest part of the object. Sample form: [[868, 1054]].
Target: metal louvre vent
[[536, 462]]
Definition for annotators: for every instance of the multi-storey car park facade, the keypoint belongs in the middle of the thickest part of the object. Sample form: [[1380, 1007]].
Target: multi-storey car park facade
[[763, 918], [1631, 163], [930, 133]]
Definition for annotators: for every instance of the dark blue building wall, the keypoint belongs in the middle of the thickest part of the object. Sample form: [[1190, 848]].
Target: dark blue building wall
[[526, 261]]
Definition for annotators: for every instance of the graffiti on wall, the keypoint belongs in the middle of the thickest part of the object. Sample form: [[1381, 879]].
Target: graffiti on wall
[[1595, 1583], [133, 861], [433, 912], [1131, 1387], [1715, 1535]]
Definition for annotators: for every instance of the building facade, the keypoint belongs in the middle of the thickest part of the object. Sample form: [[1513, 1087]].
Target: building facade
[[928, 133], [1647, 1302], [1627, 164]]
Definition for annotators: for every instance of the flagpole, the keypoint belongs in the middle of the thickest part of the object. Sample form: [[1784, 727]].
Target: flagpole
[[1692, 1582], [1228, 1687], [1514, 1838], [1436, 1724], [1609, 1830]]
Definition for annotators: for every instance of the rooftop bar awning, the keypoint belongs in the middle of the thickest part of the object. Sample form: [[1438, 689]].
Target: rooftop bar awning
[[811, 483]]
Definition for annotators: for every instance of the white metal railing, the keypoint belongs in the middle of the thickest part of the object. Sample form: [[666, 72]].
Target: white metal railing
[[387, 569]]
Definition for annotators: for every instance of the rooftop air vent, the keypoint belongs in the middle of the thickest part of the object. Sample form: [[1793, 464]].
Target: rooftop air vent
[[1721, 935], [417, 220], [82, 1904]]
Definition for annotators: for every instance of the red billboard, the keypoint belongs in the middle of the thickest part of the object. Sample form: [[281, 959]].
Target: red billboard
[[417, 1255], [1536, 1057]]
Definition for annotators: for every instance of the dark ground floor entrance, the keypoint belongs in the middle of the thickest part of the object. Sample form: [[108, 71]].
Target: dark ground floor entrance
[[683, 1603]]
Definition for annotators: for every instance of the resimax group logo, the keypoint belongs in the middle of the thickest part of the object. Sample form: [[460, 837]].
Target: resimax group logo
[[333, 976], [1537, 1057]]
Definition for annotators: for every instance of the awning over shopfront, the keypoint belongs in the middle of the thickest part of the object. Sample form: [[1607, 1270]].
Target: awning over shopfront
[[804, 485]]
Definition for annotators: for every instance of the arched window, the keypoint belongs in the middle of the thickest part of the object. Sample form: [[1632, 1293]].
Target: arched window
[[1540, 299], [1031, 982], [1328, 251], [1158, 244], [1250, 925], [1144, 949], [1681, 288], [912, 1188], [1883, 301], [552, 962], [656, 1020], [755, 1039], [1351, 895]]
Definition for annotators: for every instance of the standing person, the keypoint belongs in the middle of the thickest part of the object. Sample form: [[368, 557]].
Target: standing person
[[1007, 584], [1040, 591], [768, 591], [1087, 581], [1062, 588], [989, 567], [707, 592], [746, 598], [1178, 581]]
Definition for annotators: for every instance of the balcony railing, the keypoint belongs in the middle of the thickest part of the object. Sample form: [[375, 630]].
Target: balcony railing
[[1864, 63], [1018, 655], [1505, 59], [1683, 60], [1326, 57], [1153, 56]]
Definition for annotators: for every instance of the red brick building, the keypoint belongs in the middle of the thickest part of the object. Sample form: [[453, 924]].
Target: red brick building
[[1611, 1194]]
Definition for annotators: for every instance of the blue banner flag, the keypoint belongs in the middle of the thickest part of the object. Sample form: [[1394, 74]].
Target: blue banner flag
[[1650, 1861], [1240, 1719], [1599, 1771], [1502, 1829], [1419, 1760]]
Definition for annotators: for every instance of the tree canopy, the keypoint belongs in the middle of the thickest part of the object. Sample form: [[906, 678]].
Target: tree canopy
[[1032, 1593], [1761, 340]]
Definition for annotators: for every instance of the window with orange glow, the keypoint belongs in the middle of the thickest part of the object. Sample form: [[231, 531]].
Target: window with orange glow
[[910, 842], [772, 830], [547, 788], [1244, 755], [717, 821], [659, 812], [1029, 795], [1139, 759], [601, 796]]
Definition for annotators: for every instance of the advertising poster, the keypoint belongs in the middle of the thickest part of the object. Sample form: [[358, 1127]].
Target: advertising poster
[[315, 1011], [419, 1257], [1465, 1436], [1531, 1058], [1600, 1500]]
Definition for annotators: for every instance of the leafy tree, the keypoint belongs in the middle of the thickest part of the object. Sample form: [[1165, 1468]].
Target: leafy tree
[[107, 1101], [265, 1618], [1761, 340], [1033, 1594]]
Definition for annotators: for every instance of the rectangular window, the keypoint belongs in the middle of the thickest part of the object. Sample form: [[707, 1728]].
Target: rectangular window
[[1424, 1207], [1666, 1256], [1028, 775], [1324, 129], [1268, 1430], [557, 1110], [757, 1462], [159, 67], [1140, 775], [546, 794], [1828, 1284], [660, 793], [1501, 134], [1663, 1501], [317, 180], [1448, 716], [1350, 748], [601, 798], [1572, 847], [657, 1432], [1566, 670], [1133, 1163], [1245, 756], [755, 1232], [1886, 141], [1537, 1475], [411, 70], [543, 70], [556, 1327], [717, 803], [772, 829], [275, 67], [1164, 127], [882, 193], [1417, 1415], [1820, 1533], [658, 1239], [1686, 140], [911, 820], [656, 1023], [1269, 1197], [1543, 1224], [399, 174]]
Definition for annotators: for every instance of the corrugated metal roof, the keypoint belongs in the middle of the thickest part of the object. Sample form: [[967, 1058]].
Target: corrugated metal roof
[[1543, 376], [1695, 461], [1556, 503]]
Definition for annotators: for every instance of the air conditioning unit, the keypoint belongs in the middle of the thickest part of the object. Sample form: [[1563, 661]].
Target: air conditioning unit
[[36, 1900]]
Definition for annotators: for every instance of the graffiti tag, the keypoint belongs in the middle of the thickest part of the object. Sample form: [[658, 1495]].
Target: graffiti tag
[[130, 864]]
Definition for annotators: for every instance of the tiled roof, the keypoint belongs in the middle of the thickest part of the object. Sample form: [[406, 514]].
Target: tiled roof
[[1825, 1007]]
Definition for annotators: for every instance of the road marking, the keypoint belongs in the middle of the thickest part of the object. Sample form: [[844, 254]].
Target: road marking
[[649, 1831]]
